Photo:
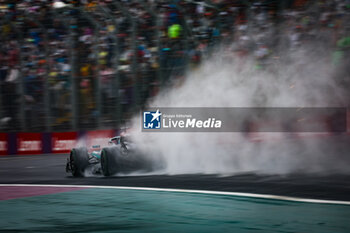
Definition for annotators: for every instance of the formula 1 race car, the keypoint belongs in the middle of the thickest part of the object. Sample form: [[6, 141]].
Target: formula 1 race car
[[121, 156]]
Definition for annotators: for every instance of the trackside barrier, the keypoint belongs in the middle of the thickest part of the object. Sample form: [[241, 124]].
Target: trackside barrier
[[63, 142], [3, 144], [348, 122], [24, 143], [99, 137], [29, 143], [255, 136]]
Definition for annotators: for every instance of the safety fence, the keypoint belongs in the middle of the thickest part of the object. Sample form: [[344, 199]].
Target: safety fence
[[86, 68], [92, 67]]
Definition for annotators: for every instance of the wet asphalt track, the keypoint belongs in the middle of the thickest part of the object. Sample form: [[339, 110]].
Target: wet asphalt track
[[50, 169]]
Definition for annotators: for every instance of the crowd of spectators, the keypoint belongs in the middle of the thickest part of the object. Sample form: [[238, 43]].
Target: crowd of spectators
[[137, 47], [9, 69], [59, 65]]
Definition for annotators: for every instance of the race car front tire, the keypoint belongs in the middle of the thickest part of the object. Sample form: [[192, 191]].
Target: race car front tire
[[79, 161]]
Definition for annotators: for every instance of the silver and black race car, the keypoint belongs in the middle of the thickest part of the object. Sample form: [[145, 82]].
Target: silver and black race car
[[121, 156]]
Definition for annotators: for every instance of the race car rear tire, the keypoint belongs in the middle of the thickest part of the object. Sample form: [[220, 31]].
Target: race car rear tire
[[117, 160], [109, 160], [79, 160]]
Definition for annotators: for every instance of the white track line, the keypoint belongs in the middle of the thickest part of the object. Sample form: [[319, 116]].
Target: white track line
[[238, 194]]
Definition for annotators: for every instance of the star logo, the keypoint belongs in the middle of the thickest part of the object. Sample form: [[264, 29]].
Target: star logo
[[156, 115], [152, 120]]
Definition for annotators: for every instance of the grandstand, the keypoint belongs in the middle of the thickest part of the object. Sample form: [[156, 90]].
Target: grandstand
[[80, 65]]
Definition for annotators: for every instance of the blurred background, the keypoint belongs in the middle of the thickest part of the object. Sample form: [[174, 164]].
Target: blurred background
[[89, 64]]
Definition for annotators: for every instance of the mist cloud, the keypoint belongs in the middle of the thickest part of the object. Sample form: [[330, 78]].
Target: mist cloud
[[299, 78]]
